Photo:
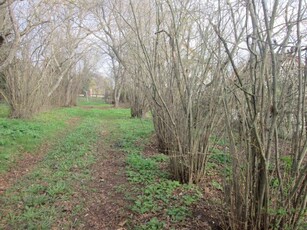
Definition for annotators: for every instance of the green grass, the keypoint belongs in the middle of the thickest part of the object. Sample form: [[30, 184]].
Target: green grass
[[4, 110], [18, 136], [38, 200], [153, 224], [82, 101]]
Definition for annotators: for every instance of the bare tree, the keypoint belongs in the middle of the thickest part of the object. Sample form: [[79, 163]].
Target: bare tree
[[173, 51], [106, 27], [9, 33], [46, 60]]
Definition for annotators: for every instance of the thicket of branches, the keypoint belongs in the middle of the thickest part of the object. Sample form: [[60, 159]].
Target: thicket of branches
[[230, 68], [42, 54], [267, 98], [235, 69]]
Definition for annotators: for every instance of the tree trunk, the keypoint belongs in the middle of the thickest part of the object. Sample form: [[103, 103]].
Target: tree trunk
[[116, 97], [138, 107], [68, 94]]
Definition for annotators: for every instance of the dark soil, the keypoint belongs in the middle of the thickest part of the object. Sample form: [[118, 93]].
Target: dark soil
[[105, 207]]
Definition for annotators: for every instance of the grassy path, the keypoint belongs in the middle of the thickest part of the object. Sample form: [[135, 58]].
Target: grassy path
[[52, 193], [98, 174], [27, 161], [39, 198]]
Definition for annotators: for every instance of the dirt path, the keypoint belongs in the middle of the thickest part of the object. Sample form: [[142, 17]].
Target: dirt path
[[105, 207], [28, 161]]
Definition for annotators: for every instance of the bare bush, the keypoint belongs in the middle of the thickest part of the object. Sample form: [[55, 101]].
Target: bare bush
[[182, 86], [267, 94]]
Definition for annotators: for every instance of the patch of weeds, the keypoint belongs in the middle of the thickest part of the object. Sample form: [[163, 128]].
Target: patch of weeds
[[216, 185], [287, 162], [219, 157], [274, 183], [153, 224], [155, 197], [135, 134], [144, 204], [170, 198], [211, 167], [190, 199], [59, 188], [141, 170], [36, 189], [218, 140], [158, 194], [178, 213], [154, 193], [138, 162], [31, 216], [120, 188], [160, 158], [36, 201]]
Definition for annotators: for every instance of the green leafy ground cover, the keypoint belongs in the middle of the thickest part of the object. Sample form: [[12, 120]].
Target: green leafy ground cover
[[18, 136], [151, 190], [40, 199], [37, 201]]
